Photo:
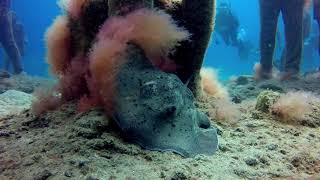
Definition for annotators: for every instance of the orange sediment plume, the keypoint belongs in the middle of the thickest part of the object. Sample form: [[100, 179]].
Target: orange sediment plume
[[154, 31], [157, 34], [58, 45], [73, 7]]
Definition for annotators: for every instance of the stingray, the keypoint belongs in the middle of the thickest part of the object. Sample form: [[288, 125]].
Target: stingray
[[156, 110]]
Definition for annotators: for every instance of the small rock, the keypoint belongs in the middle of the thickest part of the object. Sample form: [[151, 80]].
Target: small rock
[[297, 134], [242, 80], [14, 102], [4, 133], [236, 99], [179, 176], [251, 125], [28, 162], [240, 172], [68, 174], [2, 149], [219, 132], [72, 162], [148, 158], [238, 130], [223, 148], [235, 157], [43, 175], [36, 157], [195, 164], [312, 135], [296, 161], [82, 164], [162, 175], [37, 123], [91, 125], [92, 178], [251, 88], [86, 133], [265, 100], [289, 166], [272, 147], [18, 136], [4, 74], [97, 144], [106, 155], [283, 152], [251, 161], [263, 160]]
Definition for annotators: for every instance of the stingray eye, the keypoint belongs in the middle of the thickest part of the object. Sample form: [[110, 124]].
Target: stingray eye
[[203, 121], [168, 112], [149, 89]]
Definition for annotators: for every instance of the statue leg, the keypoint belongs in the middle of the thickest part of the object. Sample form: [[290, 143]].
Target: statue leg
[[121, 7], [10, 46], [198, 18]]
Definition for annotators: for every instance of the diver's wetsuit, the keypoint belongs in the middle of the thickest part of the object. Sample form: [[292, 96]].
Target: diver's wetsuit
[[7, 38], [292, 12], [227, 26]]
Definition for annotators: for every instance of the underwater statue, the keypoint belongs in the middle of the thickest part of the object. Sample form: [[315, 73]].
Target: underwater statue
[[7, 39], [19, 37], [198, 18], [120, 55]]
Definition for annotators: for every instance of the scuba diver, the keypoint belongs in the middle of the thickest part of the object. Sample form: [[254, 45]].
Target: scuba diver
[[228, 27], [245, 47], [227, 24], [7, 39], [292, 12]]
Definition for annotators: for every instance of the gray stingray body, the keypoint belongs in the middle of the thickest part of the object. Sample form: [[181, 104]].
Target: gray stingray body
[[156, 110]]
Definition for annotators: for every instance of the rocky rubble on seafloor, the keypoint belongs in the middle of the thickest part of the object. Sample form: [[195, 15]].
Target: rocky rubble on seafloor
[[64, 144]]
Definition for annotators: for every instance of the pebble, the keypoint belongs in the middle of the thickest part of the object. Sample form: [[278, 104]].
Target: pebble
[[4, 133], [272, 147], [235, 157], [148, 158], [68, 174], [283, 152], [263, 160], [28, 162], [179, 176], [312, 135], [296, 134], [219, 132], [162, 175], [43, 175], [238, 130], [82, 164], [92, 178], [223, 148], [236, 99], [251, 162]]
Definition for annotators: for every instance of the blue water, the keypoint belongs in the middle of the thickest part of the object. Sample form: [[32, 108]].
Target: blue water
[[37, 15], [226, 59]]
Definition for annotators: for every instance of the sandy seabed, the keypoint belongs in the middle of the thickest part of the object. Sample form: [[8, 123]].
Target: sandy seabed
[[65, 145]]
